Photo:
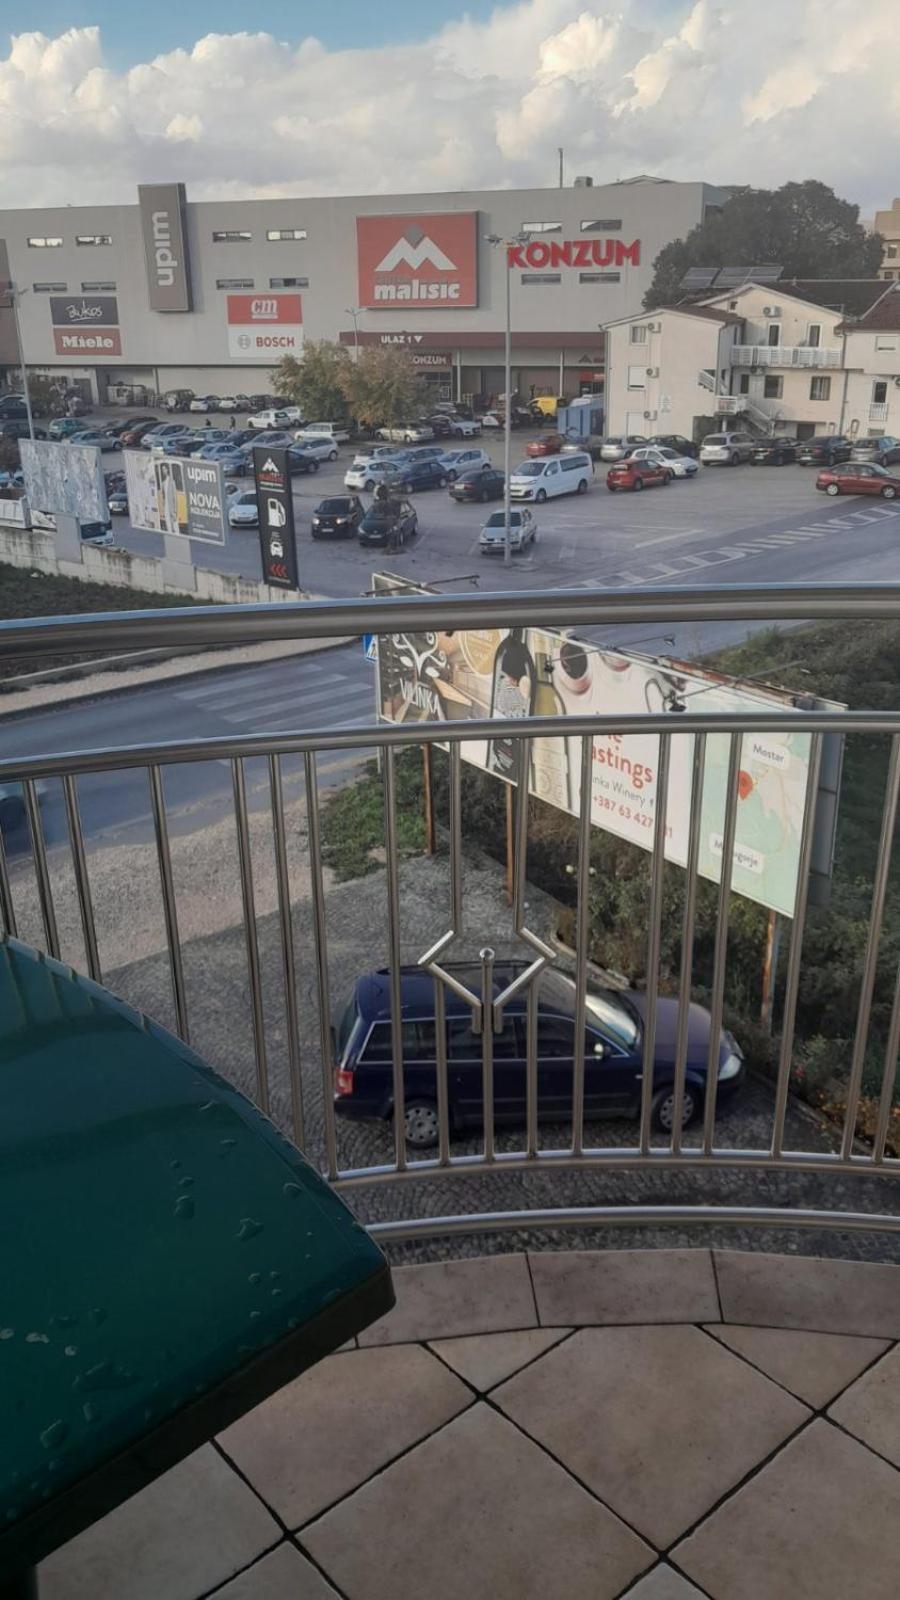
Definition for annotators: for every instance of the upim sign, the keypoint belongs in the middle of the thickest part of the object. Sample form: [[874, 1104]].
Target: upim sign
[[162, 208]]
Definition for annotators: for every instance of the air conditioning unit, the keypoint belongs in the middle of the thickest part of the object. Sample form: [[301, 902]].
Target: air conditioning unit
[[654, 327], [897, 383], [653, 372], [771, 311], [650, 416]]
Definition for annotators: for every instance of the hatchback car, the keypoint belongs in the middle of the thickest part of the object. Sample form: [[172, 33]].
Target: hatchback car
[[65, 427], [676, 442], [636, 474], [318, 445], [337, 517], [863, 477], [234, 463], [726, 449], [390, 524], [302, 459], [774, 453], [660, 455], [423, 475], [135, 436], [824, 450], [546, 444], [884, 450], [204, 402], [613, 1053], [243, 511], [271, 417], [455, 462], [479, 483], [117, 501], [375, 472], [13, 429], [407, 432], [99, 439], [620, 445], [522, 531]]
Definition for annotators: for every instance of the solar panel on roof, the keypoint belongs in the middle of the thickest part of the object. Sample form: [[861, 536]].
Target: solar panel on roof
[[767, 272], [698, 278], [733, 277]]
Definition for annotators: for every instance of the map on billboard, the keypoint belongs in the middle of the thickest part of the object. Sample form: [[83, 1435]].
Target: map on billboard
[[64, 479], [486, 673], [175, 494]]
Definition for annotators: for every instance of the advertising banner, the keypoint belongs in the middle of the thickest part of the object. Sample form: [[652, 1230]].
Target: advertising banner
[[418, 262], [488, 673], [263, 327], [64, 479], [275, 500], [163, 208], [175, 494], [86, 324]]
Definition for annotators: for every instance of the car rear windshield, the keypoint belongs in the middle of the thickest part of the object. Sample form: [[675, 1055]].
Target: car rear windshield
[[345, 1028], [331, 508], [714, 438]]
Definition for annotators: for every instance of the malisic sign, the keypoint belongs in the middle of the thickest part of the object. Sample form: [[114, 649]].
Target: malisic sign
[[163, 226], [418, 262]]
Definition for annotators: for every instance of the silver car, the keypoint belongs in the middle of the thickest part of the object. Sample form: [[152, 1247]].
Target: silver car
[[522, 530], [883, 449], [727, 449], [617, 447]]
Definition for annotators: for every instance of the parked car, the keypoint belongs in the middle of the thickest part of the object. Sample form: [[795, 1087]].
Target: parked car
[[422, 475], [66, 427], [99, 438], [617, 446], [455, 462], [135, 436], [613, 1053], [379, 452], [338, 432], [543, 480], [422, 452], [337, 517], [478, 483], [862, 477], [227, 402], [407, 433], [156, 437], [638, 474], [883, 450], [774, 453], [465, 427], [546, 444], [191, 444], [233, 462], [302, 459], [243, 511], [203, 402], [824, 449], [676, 442], [389, 523], [268, 436], [117, 500], [241, 436], [17, 428], [522, 531], [441, 425], [375, 472], [318, 445], [271, 417], [726, 449], [661, 456], [178, 399], [13, 408]]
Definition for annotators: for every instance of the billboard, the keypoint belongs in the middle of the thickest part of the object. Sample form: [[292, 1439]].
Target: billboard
[[64, 479], [163, 208], [264, 327], [86, 325], [175, 494], [418, 262], [536, 672], [275, 499]]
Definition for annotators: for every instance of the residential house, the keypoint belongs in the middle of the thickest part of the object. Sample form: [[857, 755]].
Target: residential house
[[872, 369], [786, 366], [665, 367], [887, 223]]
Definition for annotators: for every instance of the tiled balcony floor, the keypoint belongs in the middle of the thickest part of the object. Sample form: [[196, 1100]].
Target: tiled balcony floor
[[662, 1425]]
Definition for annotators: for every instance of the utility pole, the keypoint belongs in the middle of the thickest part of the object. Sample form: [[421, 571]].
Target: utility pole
[[497, 239], [14, 298], [560, 152], [354, 311]]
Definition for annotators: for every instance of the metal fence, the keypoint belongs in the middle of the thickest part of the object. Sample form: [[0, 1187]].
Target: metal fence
[[310, 1068]]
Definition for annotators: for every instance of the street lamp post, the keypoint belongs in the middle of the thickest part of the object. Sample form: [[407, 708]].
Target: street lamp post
[[497, 239], [354, 311], [14, 298]]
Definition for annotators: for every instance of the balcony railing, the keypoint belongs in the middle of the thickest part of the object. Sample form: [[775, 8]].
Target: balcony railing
[[784, 355], [878, 413], [296, 1083]]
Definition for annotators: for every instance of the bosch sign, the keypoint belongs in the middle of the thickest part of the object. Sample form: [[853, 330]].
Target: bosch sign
[[418, 261], [260, 325], [584, 253]]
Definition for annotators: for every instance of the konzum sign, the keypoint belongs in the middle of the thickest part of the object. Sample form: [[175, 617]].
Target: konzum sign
[[585, 253]]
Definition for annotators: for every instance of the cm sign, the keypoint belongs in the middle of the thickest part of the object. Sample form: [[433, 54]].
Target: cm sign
[[162, 208]]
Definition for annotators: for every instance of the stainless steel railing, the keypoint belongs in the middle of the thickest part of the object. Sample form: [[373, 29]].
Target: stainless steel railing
[[309, 1069]]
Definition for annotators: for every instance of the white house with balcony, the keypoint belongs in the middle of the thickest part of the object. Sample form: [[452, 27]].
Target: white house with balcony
[[665, 368], [872, 369], [787, 364]]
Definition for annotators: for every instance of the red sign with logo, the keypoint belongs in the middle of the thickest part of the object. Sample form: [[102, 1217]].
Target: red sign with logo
[[419, 262], [86, 342], [259, 309], [584, 253]]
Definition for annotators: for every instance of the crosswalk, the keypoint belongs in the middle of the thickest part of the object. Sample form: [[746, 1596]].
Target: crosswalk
[[330, 690]]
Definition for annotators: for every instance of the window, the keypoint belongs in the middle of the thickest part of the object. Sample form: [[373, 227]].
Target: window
[[275, 234], [879, 392], [232, 236], [638, 333], [820, 388], [573, 462], [556, 1037], [43, 244], [464, 1045], [814, 335], [378, 1044], [637, 377], [773, 387], [541, 277], [50, 288], [891, 252], [288, 283], [541, 227], [773, 336], [234, 283], [744, 383], [601, 225], [599, 277], [102, 286], [885, 341], [93, 238]]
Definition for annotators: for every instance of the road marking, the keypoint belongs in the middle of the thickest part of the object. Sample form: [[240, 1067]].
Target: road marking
[[666, 538], [297, 703]]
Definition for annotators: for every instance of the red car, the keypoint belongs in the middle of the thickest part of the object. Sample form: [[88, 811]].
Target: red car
[[546, 444], [859, 477], [636, 474]]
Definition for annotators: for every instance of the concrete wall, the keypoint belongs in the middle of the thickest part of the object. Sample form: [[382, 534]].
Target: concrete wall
[[793, 322], [675, 349]]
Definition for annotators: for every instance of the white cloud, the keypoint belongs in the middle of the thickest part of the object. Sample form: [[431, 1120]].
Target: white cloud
[[683, 88]]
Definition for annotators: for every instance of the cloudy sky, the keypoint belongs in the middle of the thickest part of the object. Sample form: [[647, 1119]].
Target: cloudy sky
[[355, 97]]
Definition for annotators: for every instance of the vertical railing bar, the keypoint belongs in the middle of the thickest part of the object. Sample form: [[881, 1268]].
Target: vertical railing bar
[[691, 885], [245, 867], [42, 870], [520, 837], [531, 1070], [393, 888], [581, 938], [487, 1049], [889, 1078], [654, 938], [443, 1107], [323, 996], [456, 836], [7, 908], [170, 914], [720, 957], [82, 881], [873, 942], [795, 952], [288, 963]]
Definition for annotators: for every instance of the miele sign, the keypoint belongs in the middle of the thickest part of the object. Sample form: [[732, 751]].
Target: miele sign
[[85, 325], [262, 326], [418, 262], [584, 253], [162, 207]]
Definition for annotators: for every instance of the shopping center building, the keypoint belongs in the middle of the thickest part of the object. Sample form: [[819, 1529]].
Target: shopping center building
[[167, 293]]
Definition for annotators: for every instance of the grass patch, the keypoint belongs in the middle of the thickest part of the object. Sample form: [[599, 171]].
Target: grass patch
[[353, 820]]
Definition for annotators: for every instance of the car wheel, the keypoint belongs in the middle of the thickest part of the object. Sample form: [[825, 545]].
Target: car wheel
[[442, 483], [450, 478], [735, 458], [889, 492], [12, 811], [832, 488], [664, 1108], [582, 486], [638, 485], [315, 535], [611, 487], [541, 496], [369, 484], [668, 476]]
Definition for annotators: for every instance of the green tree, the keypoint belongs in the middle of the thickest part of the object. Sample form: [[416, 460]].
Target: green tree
[[314, 381], [382, 386], [805, 227]]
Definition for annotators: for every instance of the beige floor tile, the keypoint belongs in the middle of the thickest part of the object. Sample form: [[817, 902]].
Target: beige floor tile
[[672, 1420], [321, 1436], [663, 1583], [825, 1296], [194, 1527], [871, 1409], [476, 1511], [488, 1358], [488, 1294], [609, 1286], [283, 1575], [815, 1524], [814, 1366]]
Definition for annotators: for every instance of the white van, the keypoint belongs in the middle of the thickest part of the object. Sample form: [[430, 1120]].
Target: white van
[[337, 431], [551, 475]]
